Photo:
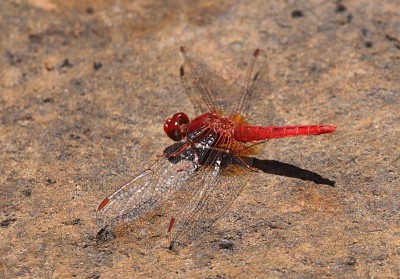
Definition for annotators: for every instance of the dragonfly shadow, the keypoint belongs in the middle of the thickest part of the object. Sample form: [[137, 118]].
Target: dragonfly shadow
[[267, 166], [288, 170]]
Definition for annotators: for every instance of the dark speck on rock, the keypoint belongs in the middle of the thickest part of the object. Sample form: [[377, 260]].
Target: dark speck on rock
[[349, 18], [66, 64], [340, 8], [6, 222], [89, 10], [351, 261], [297, 13], [391, 38], [364, 31], [27, 192], [226, 245], [50, 180], [97, 65], [369, 44], [35, 38], [48, 100]]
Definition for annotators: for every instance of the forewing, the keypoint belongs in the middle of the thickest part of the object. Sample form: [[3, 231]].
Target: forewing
[[207, 90], [196, 88], [144, 192], [231, 91]]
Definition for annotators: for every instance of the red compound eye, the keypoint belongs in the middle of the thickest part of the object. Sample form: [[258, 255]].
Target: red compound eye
[[175, 127]]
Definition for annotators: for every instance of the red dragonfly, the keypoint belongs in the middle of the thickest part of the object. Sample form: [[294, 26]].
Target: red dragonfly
[[198, 177]]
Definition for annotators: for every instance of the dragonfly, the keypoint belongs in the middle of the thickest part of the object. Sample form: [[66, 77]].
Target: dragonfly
[[197, 178]]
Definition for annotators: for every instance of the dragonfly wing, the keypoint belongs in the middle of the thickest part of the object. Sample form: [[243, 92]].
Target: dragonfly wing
[[196, 89], [212, 91], [207, 90], [206, 196], [255, 90], [144, 192]]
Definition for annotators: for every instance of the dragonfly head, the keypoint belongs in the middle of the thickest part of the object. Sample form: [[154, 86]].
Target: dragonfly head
[[176, 126]]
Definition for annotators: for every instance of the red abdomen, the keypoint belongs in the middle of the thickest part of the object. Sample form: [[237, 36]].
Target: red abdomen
[[254, 133]]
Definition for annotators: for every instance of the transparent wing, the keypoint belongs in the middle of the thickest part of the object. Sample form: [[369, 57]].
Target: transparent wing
[[197, 88], [254, 90], [146, 190], [208, 91], [211, 203], [206, 196]]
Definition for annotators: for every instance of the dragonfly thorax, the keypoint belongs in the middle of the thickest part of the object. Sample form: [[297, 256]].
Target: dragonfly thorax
[[221, 125]]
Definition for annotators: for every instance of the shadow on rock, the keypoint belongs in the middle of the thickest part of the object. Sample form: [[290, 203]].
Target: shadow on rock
[[288, 170]]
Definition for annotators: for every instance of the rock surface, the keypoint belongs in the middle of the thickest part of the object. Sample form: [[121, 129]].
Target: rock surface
[[85, 87]]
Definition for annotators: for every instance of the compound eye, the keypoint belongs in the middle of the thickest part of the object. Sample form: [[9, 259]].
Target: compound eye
[[175, 127], [181, 118]]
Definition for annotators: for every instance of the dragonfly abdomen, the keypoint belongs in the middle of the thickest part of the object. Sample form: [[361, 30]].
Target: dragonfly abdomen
[[255, 133]]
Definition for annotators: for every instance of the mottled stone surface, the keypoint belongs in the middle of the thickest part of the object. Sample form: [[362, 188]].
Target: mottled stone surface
[[85, 87]]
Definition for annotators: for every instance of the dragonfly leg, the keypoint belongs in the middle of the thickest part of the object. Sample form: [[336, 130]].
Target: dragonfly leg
[[246, 164], [171, 224], [177, 152]]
